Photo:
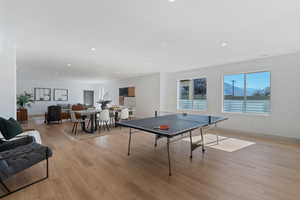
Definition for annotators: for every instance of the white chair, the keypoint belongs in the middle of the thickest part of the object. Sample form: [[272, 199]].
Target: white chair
[[131, 114], [75, 121], [124, 115], [104, 119], [112, 117]]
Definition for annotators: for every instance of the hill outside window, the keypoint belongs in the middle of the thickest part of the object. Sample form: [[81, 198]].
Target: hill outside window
[[247, 92]]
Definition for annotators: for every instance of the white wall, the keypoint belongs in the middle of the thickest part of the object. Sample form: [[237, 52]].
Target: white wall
[[75, 90], [7, 75], [285, 98], [147, 91], [159, 92]]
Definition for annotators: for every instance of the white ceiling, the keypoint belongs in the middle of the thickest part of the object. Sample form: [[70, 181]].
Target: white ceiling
[[134, 37]]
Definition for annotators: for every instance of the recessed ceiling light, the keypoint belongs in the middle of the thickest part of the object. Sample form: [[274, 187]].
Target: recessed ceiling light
[[93, 49], [171, 0], [69, 65], [224, 44]]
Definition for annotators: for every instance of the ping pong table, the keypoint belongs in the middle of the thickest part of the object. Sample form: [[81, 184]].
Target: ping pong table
[[179, 124]]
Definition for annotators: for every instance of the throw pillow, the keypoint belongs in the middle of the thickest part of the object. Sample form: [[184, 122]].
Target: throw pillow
[[10, 128]]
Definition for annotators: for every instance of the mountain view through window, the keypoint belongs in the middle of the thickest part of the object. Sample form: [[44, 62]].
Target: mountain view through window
[[248, 92]]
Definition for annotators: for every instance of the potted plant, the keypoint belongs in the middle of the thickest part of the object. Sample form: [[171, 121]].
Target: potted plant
[[23, 100]]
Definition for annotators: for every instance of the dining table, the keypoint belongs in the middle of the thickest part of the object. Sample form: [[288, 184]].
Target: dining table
[[92, 114]]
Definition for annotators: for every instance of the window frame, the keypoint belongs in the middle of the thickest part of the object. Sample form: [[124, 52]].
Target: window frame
[[245, 86], [178, 94]]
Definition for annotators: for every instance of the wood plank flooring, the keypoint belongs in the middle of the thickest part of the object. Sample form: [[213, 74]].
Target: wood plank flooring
[[99, 168]]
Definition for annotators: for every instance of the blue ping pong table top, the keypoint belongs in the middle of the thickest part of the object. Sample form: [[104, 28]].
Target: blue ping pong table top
[[178, 123]]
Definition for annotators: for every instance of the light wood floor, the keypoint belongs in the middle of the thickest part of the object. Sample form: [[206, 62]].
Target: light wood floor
[[99, 168]]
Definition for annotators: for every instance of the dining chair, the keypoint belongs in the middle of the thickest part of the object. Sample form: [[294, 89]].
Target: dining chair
[[131, 114], [104, 119], [77, 108], [112, 117], [124, 115], [75, 121]]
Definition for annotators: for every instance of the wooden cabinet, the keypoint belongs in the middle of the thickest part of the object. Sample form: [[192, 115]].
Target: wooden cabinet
[[22, 114], [125, 92], [131, 91]]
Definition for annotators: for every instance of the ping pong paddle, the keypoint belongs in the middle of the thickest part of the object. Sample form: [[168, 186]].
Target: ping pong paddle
[[164, 127]]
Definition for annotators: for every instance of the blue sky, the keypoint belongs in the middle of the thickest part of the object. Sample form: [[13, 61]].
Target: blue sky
[[258, 80]]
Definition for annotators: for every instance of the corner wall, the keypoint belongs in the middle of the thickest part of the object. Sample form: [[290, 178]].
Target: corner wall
[[147, 91]]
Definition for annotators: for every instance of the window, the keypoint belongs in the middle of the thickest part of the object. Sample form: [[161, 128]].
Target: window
[[247, 93], [192, 94]]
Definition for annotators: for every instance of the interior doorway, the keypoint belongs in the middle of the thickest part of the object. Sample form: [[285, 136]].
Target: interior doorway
[[88, 97]]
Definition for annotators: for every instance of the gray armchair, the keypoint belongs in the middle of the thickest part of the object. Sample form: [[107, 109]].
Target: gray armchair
[[19, 155]]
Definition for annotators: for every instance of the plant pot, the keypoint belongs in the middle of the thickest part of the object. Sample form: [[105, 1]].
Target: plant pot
[[22, 114]]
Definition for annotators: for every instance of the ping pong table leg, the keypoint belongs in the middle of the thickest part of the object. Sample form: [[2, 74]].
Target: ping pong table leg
[[168, 147], [191, 156], [155, 143], [217, 134], [129, 143], [202, 140]]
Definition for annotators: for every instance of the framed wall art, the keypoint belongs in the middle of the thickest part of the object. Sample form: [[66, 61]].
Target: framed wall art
[[42, 94], [60, 94]]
